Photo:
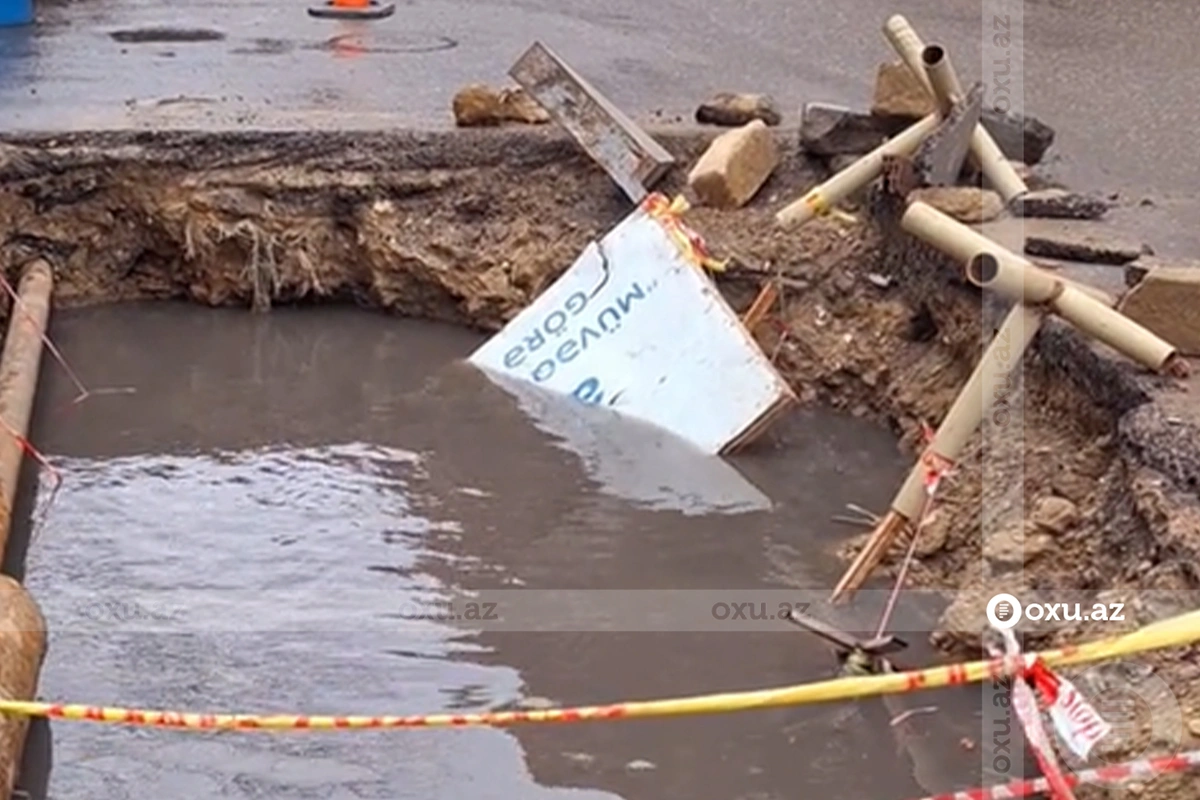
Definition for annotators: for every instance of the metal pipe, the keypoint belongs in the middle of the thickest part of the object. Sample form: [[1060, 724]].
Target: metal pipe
[[22, 627], [19, 365], [987, 155], [824, 197], [1025, 283]]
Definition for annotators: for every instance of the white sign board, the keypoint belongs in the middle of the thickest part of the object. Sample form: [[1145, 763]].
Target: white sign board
[[641, 463], [636, 326]]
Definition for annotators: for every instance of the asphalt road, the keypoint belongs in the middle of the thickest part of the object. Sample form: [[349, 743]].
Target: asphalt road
[[1115, 79]]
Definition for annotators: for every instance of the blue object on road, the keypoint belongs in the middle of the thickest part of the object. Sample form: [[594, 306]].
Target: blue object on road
[[16, 12]]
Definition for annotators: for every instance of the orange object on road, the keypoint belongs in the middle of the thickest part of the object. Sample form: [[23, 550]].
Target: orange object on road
[[352, 9]]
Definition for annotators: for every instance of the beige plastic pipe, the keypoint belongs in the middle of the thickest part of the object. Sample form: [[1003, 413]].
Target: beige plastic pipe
[[821, 199], [1025, 283], [946, 89], [984, 150], [906, 42], [1002, 271], [974, 402], [963, 243]]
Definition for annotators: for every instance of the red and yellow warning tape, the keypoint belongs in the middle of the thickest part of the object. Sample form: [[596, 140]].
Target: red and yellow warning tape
[[669, 214], [1175, 632]]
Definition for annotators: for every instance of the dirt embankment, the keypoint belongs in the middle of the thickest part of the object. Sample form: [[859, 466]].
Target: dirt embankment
[[467, 227]]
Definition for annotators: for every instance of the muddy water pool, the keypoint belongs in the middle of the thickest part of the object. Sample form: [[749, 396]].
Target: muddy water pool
[[249, 503]]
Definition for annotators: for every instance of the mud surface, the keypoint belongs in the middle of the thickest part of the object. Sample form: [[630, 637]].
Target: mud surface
[[241, 526]]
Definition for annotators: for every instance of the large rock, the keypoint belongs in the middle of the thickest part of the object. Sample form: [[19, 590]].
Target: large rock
[[479, 105], [735, 166], [1059, 204], [968, 204], [1082, 244], [1167, 302], [899, 96], [1019, 137], [827, 130], [732, 109]]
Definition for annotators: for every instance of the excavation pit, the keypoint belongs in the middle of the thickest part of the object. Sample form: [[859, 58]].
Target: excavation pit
[[465, 228]]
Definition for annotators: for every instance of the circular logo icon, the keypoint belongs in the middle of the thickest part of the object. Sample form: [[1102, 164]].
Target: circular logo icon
[[1003, 611]]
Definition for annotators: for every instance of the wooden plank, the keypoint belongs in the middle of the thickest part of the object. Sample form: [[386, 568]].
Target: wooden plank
[[628, 154]]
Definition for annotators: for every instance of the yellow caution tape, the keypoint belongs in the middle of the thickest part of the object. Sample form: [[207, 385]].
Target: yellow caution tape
[[1174, 632], [669, 213]]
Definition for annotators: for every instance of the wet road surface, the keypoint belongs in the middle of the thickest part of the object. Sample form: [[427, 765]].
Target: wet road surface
[[248, 503]]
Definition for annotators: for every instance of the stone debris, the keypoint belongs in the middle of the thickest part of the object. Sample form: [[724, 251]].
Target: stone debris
[[1089, 246], [1055, 514], [479, 105], [829, 130], [899, 96], [735, 166], [732, 109], [1015, 545], [967, 204], [966, 616], [1059, 204], [1019, 137], [1167, 302]]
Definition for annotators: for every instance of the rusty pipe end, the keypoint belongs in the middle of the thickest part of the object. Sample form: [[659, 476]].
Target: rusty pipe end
[[38, 269], [982, 269]]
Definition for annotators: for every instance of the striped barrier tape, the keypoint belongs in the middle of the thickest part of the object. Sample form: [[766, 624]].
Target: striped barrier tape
[[669, 214], [1174, 632], [1100, 776], [1026, 706]]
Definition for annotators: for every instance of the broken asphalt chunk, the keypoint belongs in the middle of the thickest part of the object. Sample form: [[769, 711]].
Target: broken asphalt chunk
[[1059, 204], [627, 153], [939, 159], [731, 109], [1019, 137], [829, 130], [1089, 246]]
